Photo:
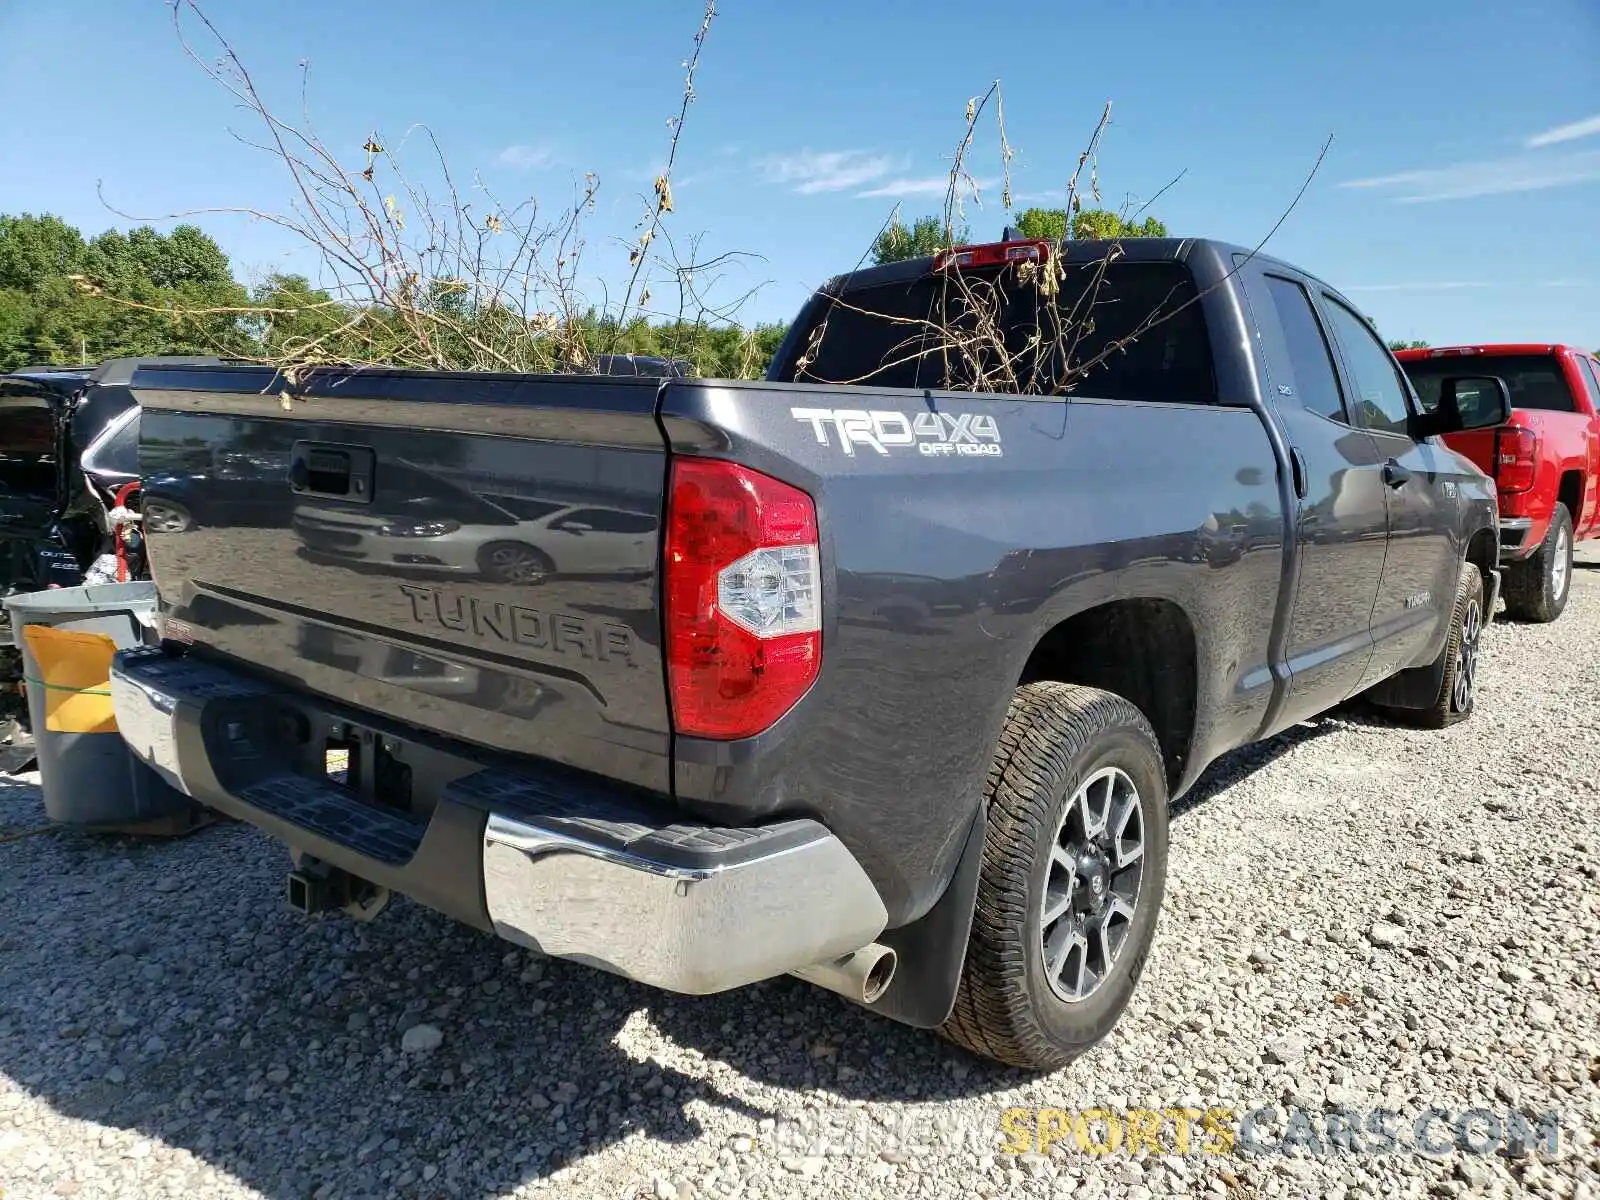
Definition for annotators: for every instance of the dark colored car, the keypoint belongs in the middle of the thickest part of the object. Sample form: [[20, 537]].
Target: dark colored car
[[69, 443], [897, 697]]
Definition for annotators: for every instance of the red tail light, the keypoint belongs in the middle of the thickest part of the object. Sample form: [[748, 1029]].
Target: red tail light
[[743, 598], [1515, 451]]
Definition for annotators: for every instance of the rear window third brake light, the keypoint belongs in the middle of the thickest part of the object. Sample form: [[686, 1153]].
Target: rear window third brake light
[[993, 254]]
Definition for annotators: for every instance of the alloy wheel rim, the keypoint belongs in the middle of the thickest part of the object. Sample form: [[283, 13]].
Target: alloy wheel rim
[[1467, 656], [1092, 885], [1561, 570]]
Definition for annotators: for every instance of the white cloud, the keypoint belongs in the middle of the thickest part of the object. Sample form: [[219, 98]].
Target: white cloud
[[928, 186], [810, 171], [1588, 127], [525, 158], [1441, 286], [1488, 177]]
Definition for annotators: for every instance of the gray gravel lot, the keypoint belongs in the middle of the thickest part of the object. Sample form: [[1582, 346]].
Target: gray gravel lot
[[1359, 917]]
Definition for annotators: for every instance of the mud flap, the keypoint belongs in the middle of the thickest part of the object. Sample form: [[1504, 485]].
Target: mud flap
[[933, 948]]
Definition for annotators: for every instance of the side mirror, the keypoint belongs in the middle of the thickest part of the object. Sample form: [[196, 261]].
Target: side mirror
[[1466, 402]]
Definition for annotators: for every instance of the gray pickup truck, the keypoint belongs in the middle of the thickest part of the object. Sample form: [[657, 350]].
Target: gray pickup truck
[[853, 673]]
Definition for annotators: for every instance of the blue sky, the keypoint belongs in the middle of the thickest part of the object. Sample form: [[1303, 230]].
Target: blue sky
[[1460, 200]]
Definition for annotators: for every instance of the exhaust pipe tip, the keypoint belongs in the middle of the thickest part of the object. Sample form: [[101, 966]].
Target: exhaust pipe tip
[[863, 975], [879, 975]]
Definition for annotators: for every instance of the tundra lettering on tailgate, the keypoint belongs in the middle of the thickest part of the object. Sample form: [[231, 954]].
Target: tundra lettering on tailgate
[[518, 625], [932, 433]]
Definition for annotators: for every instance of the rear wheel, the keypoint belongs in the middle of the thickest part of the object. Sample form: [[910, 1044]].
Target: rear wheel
[[1074, 869], [1536, 589], [1458, 689]]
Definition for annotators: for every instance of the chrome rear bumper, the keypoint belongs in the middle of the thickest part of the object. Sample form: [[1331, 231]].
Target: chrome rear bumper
[[573, 870], [1514, 544], [693, 929]]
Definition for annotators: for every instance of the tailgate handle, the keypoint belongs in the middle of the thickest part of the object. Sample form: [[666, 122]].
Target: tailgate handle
[[336, 471]]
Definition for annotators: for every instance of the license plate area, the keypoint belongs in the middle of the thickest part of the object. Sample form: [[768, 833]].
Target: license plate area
[[368, 764], [372, 761]]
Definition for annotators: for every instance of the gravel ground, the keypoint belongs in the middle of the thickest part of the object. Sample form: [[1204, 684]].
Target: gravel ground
[[1359, 917]]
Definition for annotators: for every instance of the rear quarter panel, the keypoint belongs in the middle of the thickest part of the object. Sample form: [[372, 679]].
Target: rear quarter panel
[[943, 570]]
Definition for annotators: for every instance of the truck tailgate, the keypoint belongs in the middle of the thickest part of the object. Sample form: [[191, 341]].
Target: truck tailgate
[[476, 555]]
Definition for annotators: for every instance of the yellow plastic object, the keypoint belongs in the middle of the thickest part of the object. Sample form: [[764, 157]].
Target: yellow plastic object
[[75, 674]]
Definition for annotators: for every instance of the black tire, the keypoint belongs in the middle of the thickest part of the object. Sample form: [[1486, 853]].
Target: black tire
[[1056, 738], [514, 562], [1536, 589], [1458, 688]]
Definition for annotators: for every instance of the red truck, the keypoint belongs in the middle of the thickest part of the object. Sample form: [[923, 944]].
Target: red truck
[[1545, 461]]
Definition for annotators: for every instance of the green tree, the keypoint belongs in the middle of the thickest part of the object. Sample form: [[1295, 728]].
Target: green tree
[[293, 313], [34, 249], [1088, 224], [923, 237], [65, 299], [1042, 223], [1404, 345]]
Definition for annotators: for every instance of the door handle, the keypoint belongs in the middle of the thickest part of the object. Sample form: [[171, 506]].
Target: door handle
[[336, 471], [1302, 479], [1394, 474]]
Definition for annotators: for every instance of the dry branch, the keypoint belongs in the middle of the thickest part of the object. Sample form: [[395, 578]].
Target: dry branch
[[415, 270], [972, 332]]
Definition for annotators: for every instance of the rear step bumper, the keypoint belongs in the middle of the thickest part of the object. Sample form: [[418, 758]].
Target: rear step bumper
[[1514, 542], [550, 860]]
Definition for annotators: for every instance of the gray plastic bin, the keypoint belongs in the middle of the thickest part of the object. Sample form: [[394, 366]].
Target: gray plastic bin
[[90, 779]]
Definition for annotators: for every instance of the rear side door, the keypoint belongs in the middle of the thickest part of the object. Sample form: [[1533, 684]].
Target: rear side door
[[1417, 592], [1342, 523]]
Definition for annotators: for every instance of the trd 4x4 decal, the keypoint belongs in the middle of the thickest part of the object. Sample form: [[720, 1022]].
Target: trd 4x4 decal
[[932, 433]]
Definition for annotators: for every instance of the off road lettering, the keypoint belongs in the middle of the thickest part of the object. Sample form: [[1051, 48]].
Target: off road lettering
[[932, 433]]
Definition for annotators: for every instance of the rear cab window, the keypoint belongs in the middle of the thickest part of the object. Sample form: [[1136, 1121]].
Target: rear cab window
[[1123, 331], [1535, 381]]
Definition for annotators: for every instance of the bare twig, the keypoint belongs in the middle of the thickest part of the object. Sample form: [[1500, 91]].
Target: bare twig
[[661, 205], [972, 329], [415, 269]]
